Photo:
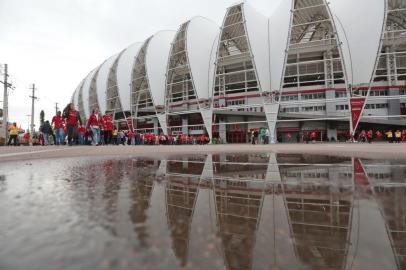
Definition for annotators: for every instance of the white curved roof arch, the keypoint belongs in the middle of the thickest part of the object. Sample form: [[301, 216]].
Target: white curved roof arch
[[102, 80], [156, 62], [201, 35], [258, 37], [124, 74], [85, 93]]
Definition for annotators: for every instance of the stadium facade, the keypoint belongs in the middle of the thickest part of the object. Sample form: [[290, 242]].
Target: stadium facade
[[311, 66]]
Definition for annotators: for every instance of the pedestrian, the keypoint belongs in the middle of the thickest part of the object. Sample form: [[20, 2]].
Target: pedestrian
[[379, 135], [201, 139], [27, 138], [267, 136], [389, 136], [130, 137], [114, 136], [252, 137], [313, 136], [108, 127], [72, 118], [370, 135], [59, 124], [121, 137], [398, 136], [95, 123], [46, 130], [13, 134], [81, 134]]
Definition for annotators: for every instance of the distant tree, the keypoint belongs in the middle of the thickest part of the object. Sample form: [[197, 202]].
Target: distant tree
[[42, 117]]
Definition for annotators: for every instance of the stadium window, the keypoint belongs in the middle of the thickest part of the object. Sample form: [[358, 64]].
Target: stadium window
[[341, 94], [289, 97], [342, 107], [313, 96]]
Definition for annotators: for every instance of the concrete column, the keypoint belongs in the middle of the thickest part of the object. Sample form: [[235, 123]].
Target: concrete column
[[331, 106], [185, 125], [331, 132], [223, 130], [156, 126], [393, 104]]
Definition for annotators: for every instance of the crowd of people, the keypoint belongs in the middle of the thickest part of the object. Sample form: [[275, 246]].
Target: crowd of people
[[67, 128]]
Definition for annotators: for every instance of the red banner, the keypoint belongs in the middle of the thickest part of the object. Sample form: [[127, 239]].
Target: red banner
[[360, 175], [357, 104]]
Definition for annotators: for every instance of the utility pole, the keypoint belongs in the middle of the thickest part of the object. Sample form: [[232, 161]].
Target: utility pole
[[33, 98], [5, 103], [56, 108]]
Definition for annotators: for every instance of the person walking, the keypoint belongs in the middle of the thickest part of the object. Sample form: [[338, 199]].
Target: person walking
[[59, 124], [108, 128], [121, 137], [389, 136], [13, 134], [115, 136], [370, 136], [398, 136], [130, 139], [72, 118], [95, 123], [46, 130], [81, 134]]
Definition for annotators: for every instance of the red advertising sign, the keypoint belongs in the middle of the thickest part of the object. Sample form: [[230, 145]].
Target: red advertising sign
[[357, 104]]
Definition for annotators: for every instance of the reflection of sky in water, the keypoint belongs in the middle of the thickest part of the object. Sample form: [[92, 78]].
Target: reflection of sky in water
[[222, 211]]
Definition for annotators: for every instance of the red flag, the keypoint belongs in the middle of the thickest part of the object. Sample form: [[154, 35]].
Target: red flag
[[357, 105]]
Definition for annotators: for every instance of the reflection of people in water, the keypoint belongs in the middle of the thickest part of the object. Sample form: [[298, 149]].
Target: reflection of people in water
[[2, 183]]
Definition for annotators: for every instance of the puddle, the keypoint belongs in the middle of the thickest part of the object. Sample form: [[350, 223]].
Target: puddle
[[220, 211]]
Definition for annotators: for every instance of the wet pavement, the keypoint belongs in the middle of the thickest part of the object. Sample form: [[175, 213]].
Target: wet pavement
[[203, 211]]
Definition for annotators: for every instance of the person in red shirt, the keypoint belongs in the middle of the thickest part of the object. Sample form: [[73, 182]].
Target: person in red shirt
[[313, 136], [108, 128], [95, 122], [202, 139], [130, 137], [72, 118], [370, 135], [59, 123]]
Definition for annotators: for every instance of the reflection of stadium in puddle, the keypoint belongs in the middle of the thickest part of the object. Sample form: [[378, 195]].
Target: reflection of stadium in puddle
[[241, 211]]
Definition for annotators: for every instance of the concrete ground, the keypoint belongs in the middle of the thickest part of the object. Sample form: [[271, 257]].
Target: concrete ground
[[377, 151]]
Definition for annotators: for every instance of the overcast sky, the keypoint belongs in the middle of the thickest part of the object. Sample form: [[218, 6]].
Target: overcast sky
[[55, 43]]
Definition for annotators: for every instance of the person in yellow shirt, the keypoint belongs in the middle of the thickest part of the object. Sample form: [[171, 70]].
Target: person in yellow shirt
[[398, 136], [389, 136], [13, 134]]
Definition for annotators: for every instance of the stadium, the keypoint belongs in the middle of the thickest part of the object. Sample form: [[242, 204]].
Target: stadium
[[312, 66]]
